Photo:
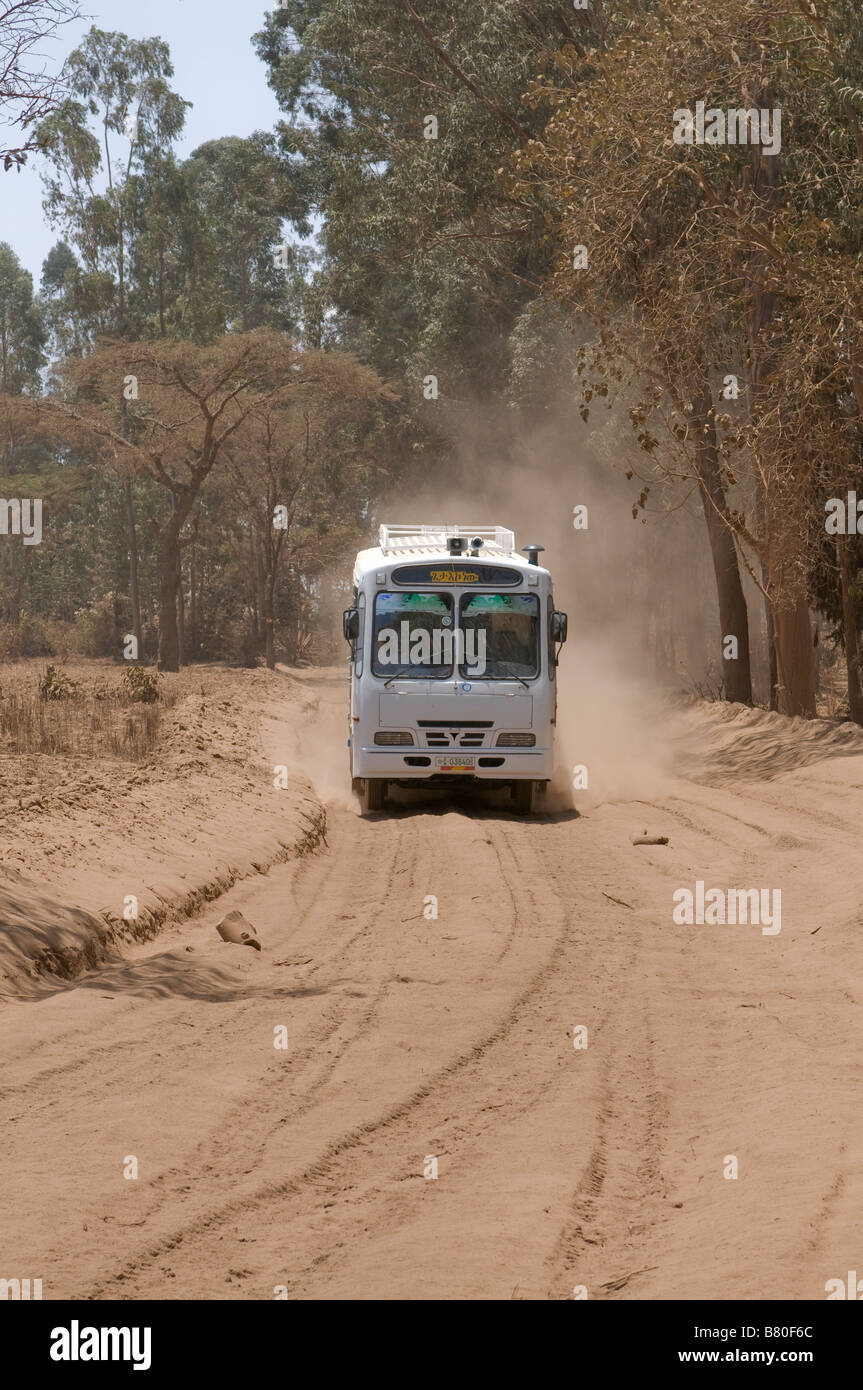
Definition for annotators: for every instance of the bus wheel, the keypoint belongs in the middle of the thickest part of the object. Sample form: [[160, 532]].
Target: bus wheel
[[522, 797], [374, 791]]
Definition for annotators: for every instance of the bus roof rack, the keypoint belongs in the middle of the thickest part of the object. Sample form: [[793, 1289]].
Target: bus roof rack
[[410, 537]]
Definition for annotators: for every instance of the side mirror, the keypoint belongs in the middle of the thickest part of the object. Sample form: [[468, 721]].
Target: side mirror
[[351, 624], [558, 627]]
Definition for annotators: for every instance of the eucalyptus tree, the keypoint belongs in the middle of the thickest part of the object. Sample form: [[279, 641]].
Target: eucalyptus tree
[[401, 122], [77, 306], [120, 114], [22, 327], [244, 193], [22, 342]]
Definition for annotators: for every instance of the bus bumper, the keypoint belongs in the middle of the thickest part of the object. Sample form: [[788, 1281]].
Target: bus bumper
[[491, 764]]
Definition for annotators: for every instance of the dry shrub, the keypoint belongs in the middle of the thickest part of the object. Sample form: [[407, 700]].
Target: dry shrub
[[97, 718]]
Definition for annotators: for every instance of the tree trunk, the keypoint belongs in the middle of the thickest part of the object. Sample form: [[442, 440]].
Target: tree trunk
[[765, 175], [169, 583], [200, 602], [193, 601], [181, 613], [269, 625], [16, 589], [772, 670], [162, 291], [132, 542], [850, 628], [794, 649], [121, 275], [259, 599], [733, 617], [12, 610], [791, 649], [244, 295], [169, 637]]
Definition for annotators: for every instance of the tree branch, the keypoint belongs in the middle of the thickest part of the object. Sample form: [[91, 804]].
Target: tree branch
[[462, 76]]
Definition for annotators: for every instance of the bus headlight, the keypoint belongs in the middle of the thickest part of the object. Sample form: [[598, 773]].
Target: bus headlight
[[389, 738], [516, 740]]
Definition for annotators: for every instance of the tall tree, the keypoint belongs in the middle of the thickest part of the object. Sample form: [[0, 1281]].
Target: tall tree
[[22, 327], [120, 115], [244, 193], [401, 124], [121, 86], [22, 339]]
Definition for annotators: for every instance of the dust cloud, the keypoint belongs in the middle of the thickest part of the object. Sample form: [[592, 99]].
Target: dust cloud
[[314, 746], [636, 589]]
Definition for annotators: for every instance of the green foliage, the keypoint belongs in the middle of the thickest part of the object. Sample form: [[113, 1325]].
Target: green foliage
[[55, 685], [242, 193], [422, 246], [22, 327], [121, 86], [140, 686]]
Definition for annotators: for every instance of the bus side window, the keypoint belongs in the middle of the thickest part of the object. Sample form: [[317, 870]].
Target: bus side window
[[358, 646], [552, 664]]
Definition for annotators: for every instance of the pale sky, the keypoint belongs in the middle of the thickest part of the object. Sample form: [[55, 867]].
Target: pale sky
[[215, 67]]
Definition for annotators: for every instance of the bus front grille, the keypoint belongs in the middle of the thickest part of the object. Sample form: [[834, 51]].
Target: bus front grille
[[455, 733]]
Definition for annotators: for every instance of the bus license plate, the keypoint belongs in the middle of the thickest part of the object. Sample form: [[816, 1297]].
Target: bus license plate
[[455, 764]]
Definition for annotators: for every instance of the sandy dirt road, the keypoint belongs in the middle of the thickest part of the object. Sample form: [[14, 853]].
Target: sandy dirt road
[[411, 1037]]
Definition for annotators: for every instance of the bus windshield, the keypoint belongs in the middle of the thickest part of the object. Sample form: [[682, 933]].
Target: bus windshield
[[412, 635], [501, 634]]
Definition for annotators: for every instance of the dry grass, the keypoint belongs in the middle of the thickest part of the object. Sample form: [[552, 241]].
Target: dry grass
[[96, 717]]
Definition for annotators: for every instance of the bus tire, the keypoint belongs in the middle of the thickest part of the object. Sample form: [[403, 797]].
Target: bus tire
[[374, 791], [522, 797]]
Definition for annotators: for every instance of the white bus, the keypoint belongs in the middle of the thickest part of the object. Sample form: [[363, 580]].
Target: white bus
[[454, 643]]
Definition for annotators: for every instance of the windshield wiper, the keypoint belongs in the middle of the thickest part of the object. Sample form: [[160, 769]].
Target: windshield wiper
[[417, 675], [398, 674], [515, 677], [506, 671]]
